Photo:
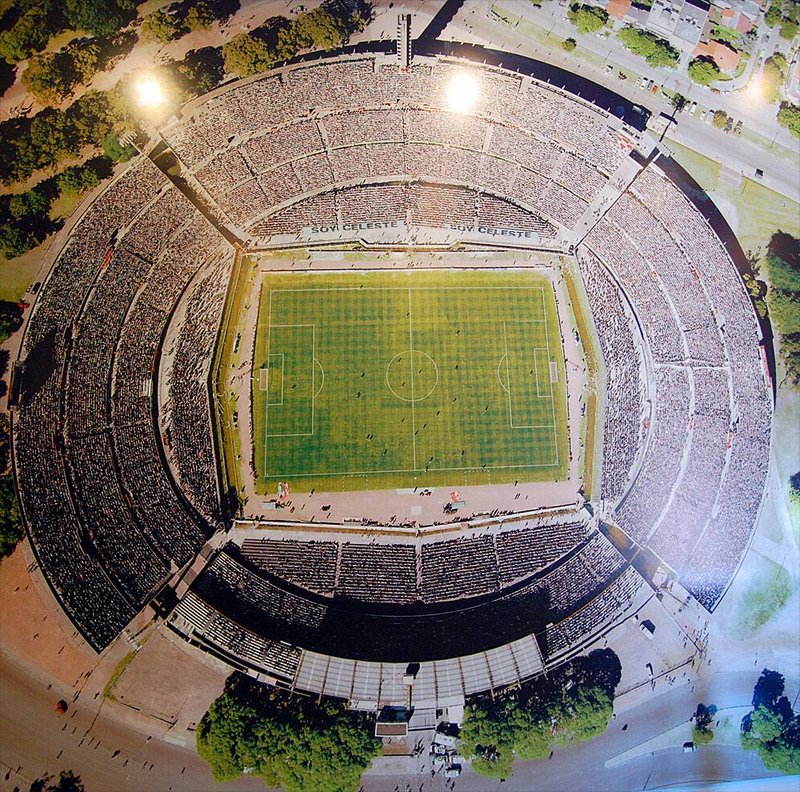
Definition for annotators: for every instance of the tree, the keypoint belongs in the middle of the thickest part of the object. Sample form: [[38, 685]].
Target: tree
[[29, 34], [569, 44], [49, 77], [720, 119], [162, 26], [245, 55], [702, 733], [101, 17], [10, 320], [199, 16], [788, 29], [772, 728], [200, 71], [789, 116], [50, 138], [114, 150], [656, 51], [96, 114], [318, 29], [298, 744], [32, 202], [678, 101], [76, 180], [587, 19], [10, 527], [794, 489], [85, 61], [775, 70], [782, 264], [773, 15], [703, 70], [573, 705]]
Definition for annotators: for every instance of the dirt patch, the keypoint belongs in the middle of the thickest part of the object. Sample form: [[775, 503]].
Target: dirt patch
[[33, 627], [166, 682]]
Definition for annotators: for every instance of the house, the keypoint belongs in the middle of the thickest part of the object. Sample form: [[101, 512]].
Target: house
[[618, 9], [679, 21], [726, 58]]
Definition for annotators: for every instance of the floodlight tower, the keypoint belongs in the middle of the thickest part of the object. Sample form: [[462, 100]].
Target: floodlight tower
[[404, 41]]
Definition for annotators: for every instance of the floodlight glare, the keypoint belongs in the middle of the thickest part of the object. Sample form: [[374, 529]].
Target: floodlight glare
[[462, 92], [150, 92]]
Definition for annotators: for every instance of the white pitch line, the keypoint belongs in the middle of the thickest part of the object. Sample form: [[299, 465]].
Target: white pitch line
[[413, 409]]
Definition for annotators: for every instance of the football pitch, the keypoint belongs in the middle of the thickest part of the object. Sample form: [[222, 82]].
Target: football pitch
[[393, 380]]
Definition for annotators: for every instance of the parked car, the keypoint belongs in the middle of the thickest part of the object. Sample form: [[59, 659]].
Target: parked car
[[688, 747], [737, 130], [693, 108], [729, 125]]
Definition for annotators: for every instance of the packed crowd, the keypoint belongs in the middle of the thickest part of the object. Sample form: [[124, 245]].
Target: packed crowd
[[124, 274], [345, 627], [402, 573], [699, 491], [418, 204], [186, 408], [625, 390], [529, 141], [108, 523], [217, 633]]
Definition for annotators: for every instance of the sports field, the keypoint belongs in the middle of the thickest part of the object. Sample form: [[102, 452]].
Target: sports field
[[391, 380]]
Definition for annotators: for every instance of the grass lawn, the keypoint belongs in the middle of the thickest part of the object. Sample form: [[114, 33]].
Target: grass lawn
[[760, 211], [381, 380], [769, 590], [17, 274]]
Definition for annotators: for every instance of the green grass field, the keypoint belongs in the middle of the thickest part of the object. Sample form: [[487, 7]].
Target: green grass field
[[384, 380]]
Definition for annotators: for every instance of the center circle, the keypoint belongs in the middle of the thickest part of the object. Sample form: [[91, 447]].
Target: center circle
[[412, 375]]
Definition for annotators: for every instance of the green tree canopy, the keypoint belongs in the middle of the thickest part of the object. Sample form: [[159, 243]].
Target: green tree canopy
[[772, 728], [160, 25], [703, 70], [101, 17], [10, 527], [720, 119], [200, 15], [794, 489], [587, 19], [788, 29], [656, 51], [775, 70], [10, 319], [291, 742], [29, 34], [49, 77], [789, 116], [246, 54], [573, 705], [773, 15], [782, 265], [569, 44], [77, 179]]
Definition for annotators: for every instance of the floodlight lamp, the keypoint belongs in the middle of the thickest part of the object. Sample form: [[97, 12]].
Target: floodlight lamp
[[150, 92], [462, 92]]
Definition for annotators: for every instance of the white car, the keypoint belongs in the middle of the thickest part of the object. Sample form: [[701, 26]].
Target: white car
[[693, 108]]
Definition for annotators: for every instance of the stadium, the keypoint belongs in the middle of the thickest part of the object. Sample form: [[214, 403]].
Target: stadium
[[370, 377]]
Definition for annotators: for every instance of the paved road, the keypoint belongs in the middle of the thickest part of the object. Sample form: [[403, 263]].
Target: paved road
[[36, 740], [583, 767]]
